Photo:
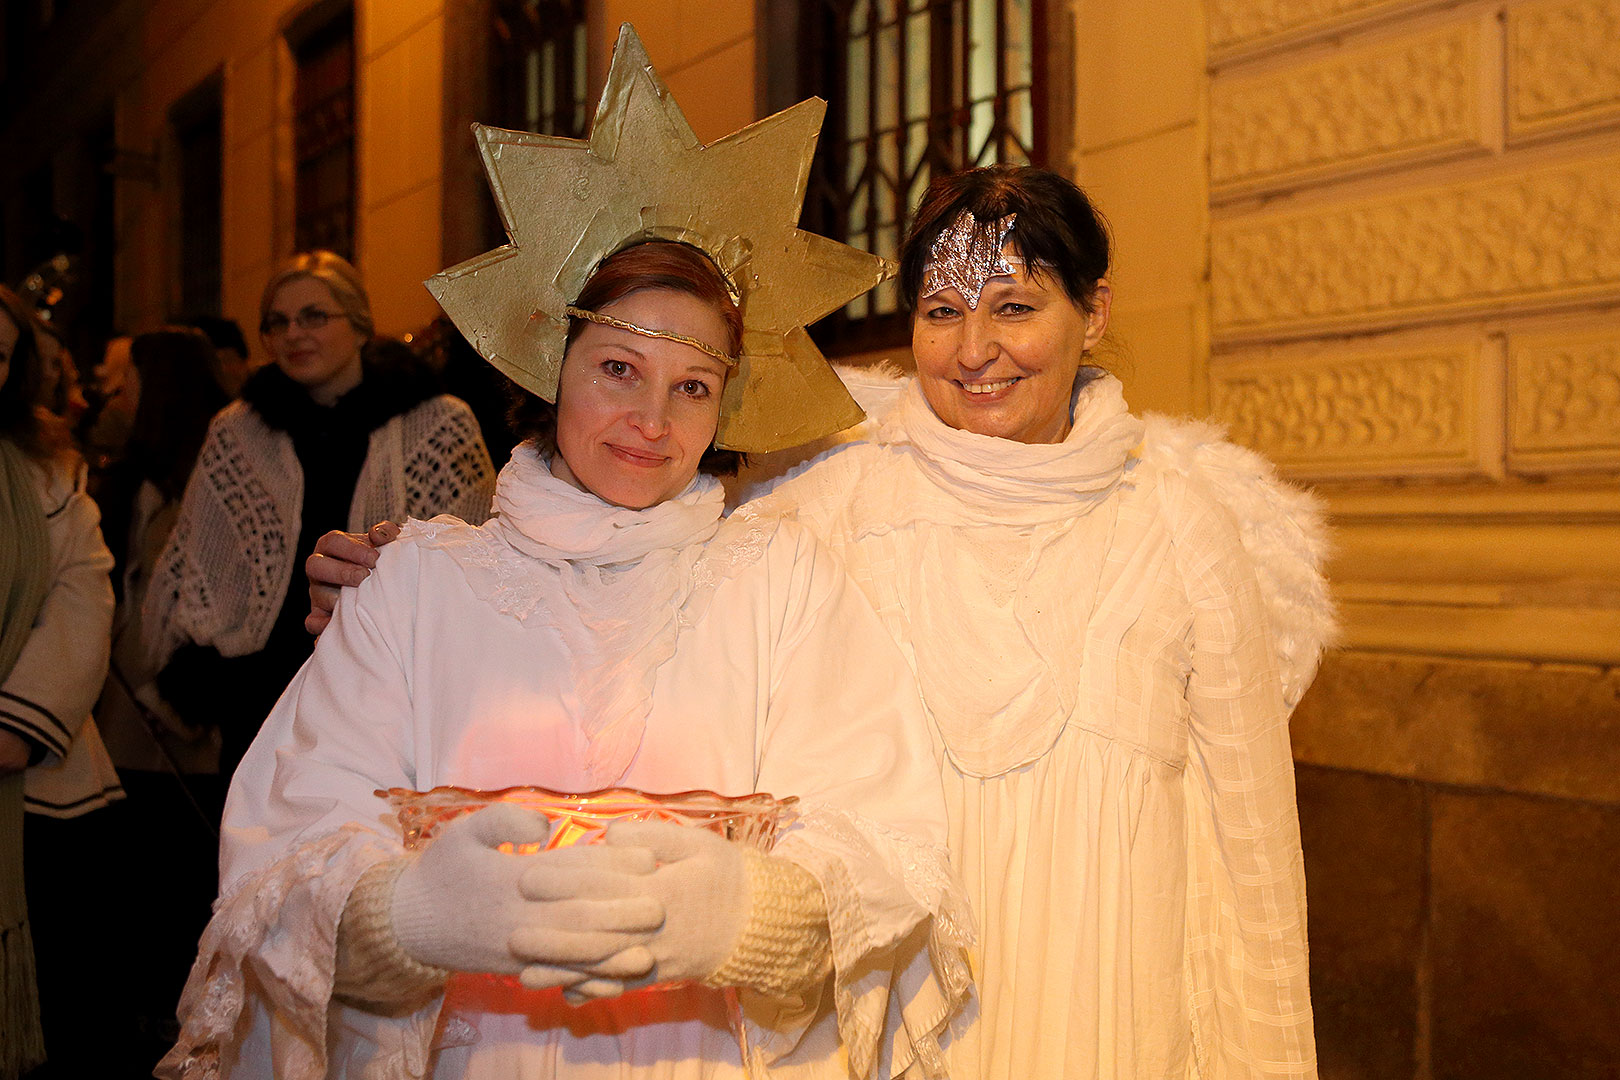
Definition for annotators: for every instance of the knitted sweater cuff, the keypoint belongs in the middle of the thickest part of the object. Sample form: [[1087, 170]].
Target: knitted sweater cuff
[[784, 949], [372, 969]]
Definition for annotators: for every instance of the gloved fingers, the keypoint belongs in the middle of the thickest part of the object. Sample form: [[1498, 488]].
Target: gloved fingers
[[583, 993], [545, 945], [502, 823], [634, 963], [667, 841], [587, 870], [641, 914], [545, 976]]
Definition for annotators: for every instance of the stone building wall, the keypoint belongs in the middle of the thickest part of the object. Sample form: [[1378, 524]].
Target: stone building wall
[[1414, 304]]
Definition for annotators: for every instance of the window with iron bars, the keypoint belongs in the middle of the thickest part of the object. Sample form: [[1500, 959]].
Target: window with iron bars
[[323, 137], [538, 76], [915, 89]]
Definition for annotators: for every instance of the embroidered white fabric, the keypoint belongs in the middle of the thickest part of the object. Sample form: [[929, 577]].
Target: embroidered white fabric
[[225, 568]]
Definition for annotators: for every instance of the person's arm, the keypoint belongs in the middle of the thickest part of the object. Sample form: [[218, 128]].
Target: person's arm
[[58, 675], [1250, 987]]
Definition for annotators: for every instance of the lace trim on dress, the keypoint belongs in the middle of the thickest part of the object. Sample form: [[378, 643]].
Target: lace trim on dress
[[278, 928], [863, 968]]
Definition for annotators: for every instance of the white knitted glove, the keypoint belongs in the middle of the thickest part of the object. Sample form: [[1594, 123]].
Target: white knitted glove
[[462, 905], [702, 884]]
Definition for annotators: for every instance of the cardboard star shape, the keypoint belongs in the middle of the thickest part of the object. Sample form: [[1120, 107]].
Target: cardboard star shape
[[642, 175]]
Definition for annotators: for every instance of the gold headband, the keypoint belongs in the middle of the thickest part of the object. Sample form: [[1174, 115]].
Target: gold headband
[[569, 204], [620, 324]]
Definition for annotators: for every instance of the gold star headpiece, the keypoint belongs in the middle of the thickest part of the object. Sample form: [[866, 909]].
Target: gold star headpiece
[[642, 175]]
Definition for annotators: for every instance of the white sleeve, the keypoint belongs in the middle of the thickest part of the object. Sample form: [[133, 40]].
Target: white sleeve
[[58, 674], [1250, 985], [846, 733], [301, 826]]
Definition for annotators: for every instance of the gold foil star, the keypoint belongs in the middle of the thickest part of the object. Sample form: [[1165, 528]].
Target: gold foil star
[[568, 204]]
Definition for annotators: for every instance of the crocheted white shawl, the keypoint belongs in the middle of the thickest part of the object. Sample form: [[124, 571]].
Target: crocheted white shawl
[[223, 574]]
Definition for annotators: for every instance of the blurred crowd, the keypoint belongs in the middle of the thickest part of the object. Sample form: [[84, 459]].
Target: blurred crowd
[[157, 504]]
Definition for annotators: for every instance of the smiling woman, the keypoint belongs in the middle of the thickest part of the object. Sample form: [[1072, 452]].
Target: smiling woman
[[223, 614]]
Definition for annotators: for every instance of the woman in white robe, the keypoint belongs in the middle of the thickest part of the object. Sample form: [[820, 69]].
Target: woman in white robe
[[604, 628], [1110, 620]]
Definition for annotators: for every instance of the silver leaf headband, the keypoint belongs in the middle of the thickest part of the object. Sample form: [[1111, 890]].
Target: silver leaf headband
[[967, 254]]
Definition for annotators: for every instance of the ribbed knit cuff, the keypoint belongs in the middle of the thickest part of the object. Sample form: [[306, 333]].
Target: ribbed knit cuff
[[784, 949], [372, 969]]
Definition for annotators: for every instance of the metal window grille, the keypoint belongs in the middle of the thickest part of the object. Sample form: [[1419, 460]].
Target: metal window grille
[[539, 66], [323, 138], [915, 89]]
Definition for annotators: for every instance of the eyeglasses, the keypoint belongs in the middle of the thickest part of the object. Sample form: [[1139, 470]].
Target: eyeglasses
[[311, 318]]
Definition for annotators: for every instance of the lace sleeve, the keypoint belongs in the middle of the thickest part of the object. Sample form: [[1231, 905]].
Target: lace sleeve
[[447, 467], [273, 933]]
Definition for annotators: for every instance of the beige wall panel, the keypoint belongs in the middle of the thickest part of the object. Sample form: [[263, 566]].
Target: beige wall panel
[[1416, 97], [1563, 634], [716, 92], [1537, 729], [399, 122], [704, 51], [168, 20], [1564, 393], [1238, 27], [249, 95], [1155, 354], [1339, 412], [248, 229], [1523, 241], [389, 22], [1563, 65], [396, 260], [1140, 70], [239, 300], [1152, 192]]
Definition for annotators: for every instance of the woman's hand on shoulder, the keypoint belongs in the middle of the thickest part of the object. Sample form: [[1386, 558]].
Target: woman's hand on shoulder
[[341, 559]]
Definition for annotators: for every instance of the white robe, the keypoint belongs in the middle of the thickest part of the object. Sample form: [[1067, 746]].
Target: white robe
[[1101, 667], [449, 665]]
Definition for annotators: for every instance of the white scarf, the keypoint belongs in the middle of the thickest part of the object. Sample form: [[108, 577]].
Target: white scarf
[[612, 582], [1000, 579]]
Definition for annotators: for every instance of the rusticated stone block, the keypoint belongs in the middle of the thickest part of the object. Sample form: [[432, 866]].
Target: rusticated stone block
[[1364, 840], [1518, 242], [1240, 24], [1411, 98], [1540, 730], [1523, 938], [1565, 401], [1563, 65], [1397, 412]]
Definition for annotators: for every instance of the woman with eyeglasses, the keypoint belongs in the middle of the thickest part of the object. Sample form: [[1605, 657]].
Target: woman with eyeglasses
[[224, 612]]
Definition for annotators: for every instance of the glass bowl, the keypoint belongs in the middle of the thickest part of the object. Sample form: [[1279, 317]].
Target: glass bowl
[[582, 817]]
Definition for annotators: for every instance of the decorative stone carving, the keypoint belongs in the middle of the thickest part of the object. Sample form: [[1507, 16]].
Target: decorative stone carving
[[1565, 402], [1376, 413], [1563, 64], [1412, 97], [1510, 243], [1237, 24]]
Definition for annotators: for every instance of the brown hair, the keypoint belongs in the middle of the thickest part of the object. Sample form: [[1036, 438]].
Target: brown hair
[[655, 264], [23, 419], [331, 270]]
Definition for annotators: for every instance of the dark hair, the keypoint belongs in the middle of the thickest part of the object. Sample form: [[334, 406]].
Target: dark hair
[[22, 418], [655, 264], [179, 395], [1058, 228], [222, 333]]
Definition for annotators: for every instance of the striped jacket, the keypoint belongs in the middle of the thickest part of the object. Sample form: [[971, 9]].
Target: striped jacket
[[48, 696]]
